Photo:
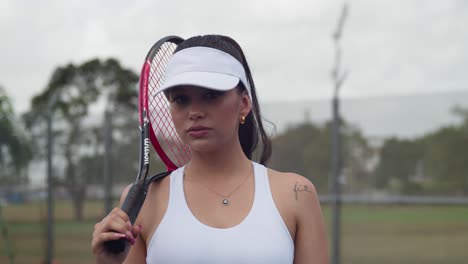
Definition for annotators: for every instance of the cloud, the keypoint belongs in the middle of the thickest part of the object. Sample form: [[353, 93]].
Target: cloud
[[406, 48], [388, 46]]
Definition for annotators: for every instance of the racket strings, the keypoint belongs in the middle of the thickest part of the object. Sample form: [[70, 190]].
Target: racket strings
[[169, 135], [179, 149], [160, 105], [159, 113]]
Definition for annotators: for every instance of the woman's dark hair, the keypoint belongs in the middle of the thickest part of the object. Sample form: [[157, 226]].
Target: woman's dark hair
[[252, 131]]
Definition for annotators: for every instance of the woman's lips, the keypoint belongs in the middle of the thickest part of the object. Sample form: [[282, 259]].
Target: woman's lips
[[198, 131]]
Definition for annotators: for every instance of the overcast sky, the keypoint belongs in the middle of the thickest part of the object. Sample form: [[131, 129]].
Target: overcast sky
[[389, 46]]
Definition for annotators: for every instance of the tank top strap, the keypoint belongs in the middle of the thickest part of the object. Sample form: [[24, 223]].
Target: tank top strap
[[262, 187], [177, 191]]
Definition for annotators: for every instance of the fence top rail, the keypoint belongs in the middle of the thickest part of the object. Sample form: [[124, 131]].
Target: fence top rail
[[395, 199]]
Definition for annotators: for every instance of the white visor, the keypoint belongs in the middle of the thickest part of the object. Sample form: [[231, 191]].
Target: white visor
[[204, 67]]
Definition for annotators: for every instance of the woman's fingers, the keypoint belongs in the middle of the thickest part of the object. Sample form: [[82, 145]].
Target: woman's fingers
[[119, 212], [100, 238], [118, 222], [136, 230], [114, 226]]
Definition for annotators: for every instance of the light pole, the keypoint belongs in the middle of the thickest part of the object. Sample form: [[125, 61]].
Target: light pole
[[50, 181], [336, 160], [108, 175]]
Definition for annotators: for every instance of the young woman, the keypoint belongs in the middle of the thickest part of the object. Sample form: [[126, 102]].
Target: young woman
[[221, 207]]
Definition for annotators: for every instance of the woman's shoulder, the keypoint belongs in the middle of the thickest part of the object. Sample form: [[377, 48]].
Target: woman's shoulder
[[290, 179], [297, 190], [301, 199], [295, 198]]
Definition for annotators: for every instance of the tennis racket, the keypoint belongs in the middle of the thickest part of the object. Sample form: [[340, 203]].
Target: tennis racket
[[156, 128]]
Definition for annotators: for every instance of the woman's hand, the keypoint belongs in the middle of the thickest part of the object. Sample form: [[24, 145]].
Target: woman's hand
[[114, 226]]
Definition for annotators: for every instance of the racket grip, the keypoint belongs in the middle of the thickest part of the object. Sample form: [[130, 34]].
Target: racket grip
[[132, 205]]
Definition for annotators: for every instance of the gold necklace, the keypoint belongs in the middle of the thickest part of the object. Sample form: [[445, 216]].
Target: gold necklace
[[225, 201]]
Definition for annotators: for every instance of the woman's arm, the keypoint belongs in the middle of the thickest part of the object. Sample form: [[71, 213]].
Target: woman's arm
[[311, 244]]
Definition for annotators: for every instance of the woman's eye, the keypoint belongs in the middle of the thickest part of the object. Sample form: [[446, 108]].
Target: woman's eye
[[213, 94], [179, 99]]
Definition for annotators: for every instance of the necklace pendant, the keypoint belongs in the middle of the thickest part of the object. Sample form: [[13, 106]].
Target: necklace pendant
[[225, 202]]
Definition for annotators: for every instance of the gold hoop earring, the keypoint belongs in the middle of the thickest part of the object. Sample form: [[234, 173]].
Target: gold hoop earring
[[242, 120]]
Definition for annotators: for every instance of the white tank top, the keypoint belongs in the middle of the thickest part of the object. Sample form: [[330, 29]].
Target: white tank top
[[262, 237]]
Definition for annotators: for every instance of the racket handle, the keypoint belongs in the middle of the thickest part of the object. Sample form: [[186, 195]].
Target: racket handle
[[116, 246], [132, 205]]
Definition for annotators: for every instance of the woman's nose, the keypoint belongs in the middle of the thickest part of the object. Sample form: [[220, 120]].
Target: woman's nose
[[195, 115], [196, 110]]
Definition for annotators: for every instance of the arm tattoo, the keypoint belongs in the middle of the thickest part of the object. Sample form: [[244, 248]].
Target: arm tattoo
[[300, 188]]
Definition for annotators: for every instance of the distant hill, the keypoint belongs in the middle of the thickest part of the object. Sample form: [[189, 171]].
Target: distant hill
[[401, 116]]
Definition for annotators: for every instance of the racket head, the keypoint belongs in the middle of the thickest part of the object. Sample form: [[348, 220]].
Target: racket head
[[163, 136]]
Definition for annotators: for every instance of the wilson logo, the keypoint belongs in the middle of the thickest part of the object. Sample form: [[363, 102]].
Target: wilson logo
[[146, 151]]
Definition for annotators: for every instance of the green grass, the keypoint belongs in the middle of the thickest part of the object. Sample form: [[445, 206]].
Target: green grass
[[370, 234], [404, 234], [27, 227]]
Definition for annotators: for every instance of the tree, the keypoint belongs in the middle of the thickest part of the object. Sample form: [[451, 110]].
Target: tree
[[398, 165], [357, 155], [92, 84], [306, 150], [436, 163], [446, 157], [15, 152]]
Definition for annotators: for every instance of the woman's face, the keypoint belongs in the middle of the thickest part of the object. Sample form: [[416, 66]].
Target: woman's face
[[207, 119]]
